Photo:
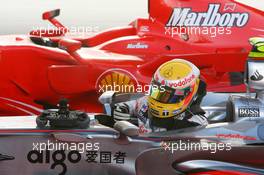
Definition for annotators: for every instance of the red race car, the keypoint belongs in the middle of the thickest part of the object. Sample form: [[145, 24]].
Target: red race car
[[37, 70]]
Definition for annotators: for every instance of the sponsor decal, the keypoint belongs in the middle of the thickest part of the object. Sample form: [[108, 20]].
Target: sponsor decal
[[60, 155], [165, 113], [230, 6], [57, 158], [118, 80], [235, 136], [211, 18], [256, 76], [248, 112], [182, 82], [137, 46], [144, 29]]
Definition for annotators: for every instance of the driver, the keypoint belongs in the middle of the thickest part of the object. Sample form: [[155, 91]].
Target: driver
[[173, 101]]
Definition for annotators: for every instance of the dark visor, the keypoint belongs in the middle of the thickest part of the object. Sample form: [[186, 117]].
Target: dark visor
[[165, 94]]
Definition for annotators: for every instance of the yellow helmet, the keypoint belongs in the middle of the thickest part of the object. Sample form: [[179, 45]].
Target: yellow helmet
[[173, 88]]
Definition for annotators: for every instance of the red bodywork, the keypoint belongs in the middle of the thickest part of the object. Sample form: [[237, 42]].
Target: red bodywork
[[34, 75]]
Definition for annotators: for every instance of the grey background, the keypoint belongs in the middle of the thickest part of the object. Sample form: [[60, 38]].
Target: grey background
[[21, 16]]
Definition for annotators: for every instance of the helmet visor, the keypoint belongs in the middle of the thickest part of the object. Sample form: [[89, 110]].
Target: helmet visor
[[165, 94]]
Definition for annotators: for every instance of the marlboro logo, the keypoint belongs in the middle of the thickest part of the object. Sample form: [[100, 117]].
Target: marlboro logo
[[212, 18]]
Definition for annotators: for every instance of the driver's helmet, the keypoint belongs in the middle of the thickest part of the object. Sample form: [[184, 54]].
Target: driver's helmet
[[173, 88]]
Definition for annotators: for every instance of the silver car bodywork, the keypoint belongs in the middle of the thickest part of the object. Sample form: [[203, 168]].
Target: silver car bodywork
[[153, 153]]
